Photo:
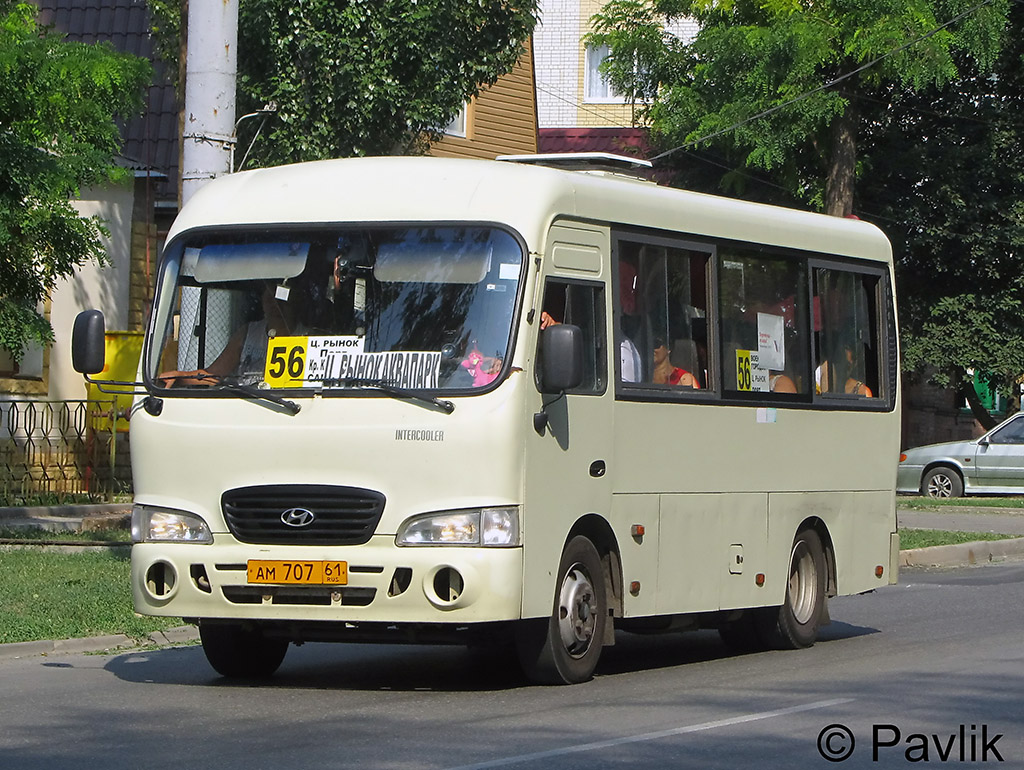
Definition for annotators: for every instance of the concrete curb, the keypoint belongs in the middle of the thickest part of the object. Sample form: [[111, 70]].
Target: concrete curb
[[963, 554], [97, 644], [64, 511]]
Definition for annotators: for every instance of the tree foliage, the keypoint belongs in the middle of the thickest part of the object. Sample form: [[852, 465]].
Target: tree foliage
[[58, 104], [364, 77], [943, 173], [752, 82], [933, 124]]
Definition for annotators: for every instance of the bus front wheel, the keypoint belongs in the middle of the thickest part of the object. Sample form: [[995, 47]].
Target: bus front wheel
[[564, 648], [795, 624], [235, 651]]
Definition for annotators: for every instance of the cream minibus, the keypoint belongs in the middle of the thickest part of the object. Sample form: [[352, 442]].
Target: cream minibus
[[502, 403]]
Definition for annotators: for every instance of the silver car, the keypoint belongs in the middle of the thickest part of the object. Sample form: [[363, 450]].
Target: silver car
[[990, 465]]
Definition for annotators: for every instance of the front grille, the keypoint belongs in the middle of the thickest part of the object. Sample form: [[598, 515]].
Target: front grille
[[340, 515], [307, 596]]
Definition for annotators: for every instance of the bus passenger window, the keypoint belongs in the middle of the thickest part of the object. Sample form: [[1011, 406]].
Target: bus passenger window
[[662, 315], [765, 343], [580, 304], [846, 328]]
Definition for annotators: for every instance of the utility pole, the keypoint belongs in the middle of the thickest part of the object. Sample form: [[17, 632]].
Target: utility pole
[[210, 72]]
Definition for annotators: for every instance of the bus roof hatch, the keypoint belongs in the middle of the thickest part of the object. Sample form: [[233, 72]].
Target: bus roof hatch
[[585, 161]]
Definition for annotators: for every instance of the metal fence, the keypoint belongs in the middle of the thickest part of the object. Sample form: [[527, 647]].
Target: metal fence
[[56, 449]]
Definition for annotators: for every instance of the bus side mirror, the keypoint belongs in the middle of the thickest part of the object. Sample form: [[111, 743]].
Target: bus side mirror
[[561, 358], [88, 343]]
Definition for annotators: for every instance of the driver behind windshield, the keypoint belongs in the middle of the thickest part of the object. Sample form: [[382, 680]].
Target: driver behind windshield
[[246, 351]]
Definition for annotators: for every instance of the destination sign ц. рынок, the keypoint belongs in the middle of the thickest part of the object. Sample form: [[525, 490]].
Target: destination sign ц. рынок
[[295, 362]]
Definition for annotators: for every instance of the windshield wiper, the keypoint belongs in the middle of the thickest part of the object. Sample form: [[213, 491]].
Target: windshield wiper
[[385, 386], [248, 390]]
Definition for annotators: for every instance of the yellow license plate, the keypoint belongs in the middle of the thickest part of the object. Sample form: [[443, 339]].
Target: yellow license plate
[[306, 573]]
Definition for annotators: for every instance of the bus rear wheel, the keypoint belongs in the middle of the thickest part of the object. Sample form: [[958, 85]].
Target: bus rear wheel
[[564, 648], [238, 652], [795, 624]]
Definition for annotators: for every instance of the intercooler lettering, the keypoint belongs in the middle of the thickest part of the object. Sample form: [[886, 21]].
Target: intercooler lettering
[[407, 434]]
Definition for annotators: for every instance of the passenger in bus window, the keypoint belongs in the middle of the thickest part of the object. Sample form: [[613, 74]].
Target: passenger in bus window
[[826, 374], [665, 373], [246, 351], [782, 383]]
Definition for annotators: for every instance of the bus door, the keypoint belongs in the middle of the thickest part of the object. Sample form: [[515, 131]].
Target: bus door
[[567, 459]]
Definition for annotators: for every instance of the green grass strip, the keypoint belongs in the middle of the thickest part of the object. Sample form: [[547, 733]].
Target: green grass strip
[[927, 504], [925, 538], [52, 595]]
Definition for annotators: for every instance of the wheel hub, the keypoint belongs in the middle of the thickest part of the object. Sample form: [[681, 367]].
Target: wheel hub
[[577, 612], [803, 579]]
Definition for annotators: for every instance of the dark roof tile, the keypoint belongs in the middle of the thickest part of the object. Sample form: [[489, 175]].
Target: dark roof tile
[[153, 137]]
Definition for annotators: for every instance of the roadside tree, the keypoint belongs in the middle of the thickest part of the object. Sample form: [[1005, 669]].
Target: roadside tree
[[914, 110], [943, 173], [360, 77], [776, 84], [59, 103]]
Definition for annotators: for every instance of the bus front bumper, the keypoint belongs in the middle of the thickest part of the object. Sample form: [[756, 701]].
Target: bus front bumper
[[385, 583]]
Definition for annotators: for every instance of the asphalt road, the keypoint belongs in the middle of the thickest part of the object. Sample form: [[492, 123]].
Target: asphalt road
[[933, 664]]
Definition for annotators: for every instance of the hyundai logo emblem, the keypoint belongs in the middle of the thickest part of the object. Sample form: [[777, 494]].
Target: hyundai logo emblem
[[298, 517]]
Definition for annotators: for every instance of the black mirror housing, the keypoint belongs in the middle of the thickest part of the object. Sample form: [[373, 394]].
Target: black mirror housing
[[561, 358], [88, 342]]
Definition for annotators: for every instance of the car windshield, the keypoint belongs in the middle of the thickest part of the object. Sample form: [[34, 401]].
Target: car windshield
[[420, 308]]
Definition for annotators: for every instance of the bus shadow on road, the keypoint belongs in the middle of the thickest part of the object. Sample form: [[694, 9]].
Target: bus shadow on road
[[368, 667], [323, 666], [636, 652]]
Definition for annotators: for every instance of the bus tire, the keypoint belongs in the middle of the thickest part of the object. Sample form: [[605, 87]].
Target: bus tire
[[241, 653], [942, 482], [564, 648], [741, 635], [795, 624]]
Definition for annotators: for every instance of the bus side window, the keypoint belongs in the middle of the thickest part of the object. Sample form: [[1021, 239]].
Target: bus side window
[[662, 315], [846, 328], [763, 305], [580, 304]]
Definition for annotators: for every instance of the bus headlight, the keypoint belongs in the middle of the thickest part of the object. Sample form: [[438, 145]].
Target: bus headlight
[[167, 526], [497, 527]]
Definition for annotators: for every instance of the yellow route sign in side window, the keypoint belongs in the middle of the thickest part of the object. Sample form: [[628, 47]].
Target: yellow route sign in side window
[[743, 376]]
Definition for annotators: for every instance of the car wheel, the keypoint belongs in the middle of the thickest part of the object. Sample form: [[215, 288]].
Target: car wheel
[[942, 483]]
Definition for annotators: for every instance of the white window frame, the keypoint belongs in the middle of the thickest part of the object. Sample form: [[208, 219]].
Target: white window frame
[[460, 123], [596, 88]]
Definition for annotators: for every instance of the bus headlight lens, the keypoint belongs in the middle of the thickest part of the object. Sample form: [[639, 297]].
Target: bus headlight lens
[[497, 527], [166, 526]]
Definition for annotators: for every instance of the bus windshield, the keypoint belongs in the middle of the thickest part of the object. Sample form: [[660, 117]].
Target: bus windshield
[[419, 307]]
